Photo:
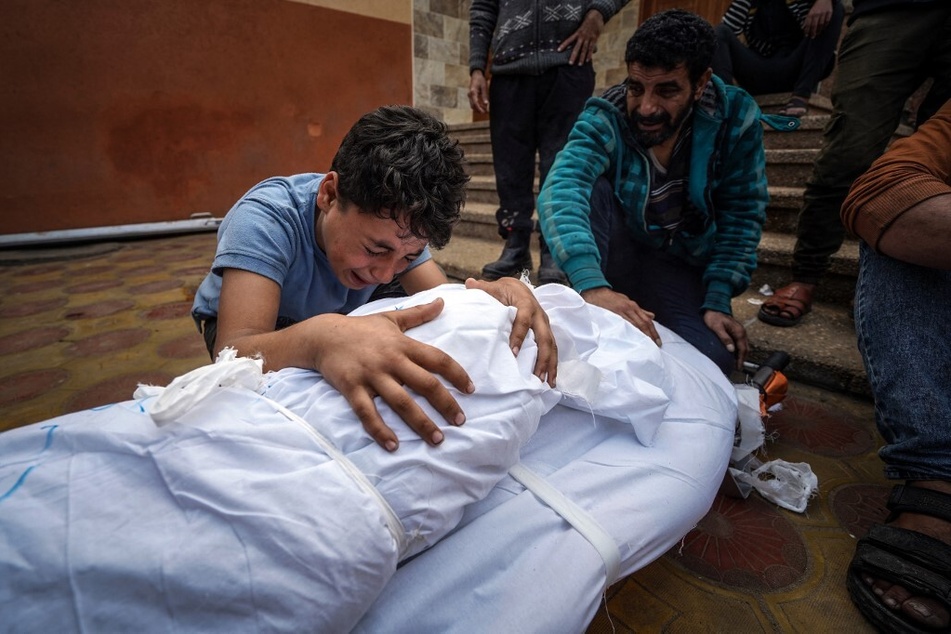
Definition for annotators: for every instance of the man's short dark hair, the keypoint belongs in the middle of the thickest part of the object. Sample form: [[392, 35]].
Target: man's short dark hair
[[670, 38], [399, 162]]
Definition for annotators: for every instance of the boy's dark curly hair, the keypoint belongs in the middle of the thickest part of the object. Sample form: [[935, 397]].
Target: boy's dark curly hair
[[670, 38], [399, 162]]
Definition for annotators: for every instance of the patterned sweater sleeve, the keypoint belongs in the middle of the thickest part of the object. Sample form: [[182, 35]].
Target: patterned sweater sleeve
[[607, 8], [483, 15]]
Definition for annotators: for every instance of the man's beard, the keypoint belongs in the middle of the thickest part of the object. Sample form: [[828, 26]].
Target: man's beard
[[668, 128]]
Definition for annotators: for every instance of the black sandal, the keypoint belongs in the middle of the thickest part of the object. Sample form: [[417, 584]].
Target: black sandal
[[915, 561]]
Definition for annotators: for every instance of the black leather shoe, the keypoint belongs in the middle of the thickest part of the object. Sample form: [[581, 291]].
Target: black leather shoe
[[516, 257]]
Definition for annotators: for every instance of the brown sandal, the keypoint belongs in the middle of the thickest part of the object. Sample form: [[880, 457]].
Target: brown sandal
[[787, 305]]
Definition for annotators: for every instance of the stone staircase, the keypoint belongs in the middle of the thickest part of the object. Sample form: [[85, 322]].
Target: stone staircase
[[822, 347]]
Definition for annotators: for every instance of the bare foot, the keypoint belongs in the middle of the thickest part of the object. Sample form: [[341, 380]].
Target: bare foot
[[926, 611]]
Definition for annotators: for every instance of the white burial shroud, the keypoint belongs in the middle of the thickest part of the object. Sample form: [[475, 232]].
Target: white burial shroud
[[272, 507]]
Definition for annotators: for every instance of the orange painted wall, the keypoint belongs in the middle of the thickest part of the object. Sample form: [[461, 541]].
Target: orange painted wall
[[127, 111]]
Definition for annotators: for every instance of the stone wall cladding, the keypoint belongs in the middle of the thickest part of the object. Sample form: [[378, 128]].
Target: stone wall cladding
[[441, 56]]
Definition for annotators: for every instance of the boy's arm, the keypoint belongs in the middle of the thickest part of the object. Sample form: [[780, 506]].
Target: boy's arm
[[362, 357]]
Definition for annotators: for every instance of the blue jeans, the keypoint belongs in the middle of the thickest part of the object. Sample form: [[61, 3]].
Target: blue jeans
[[665, 285], [901, 312]]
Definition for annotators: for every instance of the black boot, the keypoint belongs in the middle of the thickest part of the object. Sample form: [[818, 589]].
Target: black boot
[[515, 257], [548, 271]]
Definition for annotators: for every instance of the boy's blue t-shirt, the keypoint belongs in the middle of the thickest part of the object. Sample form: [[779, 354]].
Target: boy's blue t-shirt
[[270, 231]]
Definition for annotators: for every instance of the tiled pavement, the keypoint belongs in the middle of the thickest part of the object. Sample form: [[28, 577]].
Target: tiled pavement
[[81, 326]]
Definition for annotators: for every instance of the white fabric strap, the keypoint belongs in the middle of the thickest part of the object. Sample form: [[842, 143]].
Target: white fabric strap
[[393, 523], [574, 515]]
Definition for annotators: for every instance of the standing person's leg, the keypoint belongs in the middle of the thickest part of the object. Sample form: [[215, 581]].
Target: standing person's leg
[[902, 335], [561, 95], [751, 71], [939, 70], [560, 100], [662, 284], [512, 131], [817, 55], [880, 65], [722, 63]]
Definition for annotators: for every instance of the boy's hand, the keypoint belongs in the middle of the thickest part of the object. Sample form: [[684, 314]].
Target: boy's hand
[[529, 315], [369, 356]]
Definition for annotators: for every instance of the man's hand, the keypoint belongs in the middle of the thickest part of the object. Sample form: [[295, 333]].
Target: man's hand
[[730, 332], [478, 92], [818, 18], [624, 306], [584, 41], [529, 315], [370, 356]]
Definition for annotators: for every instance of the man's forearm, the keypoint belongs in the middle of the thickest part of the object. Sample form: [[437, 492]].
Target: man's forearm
[[921, 235]]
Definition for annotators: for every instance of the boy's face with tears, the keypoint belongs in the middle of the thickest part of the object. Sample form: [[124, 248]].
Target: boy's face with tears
[[363, 249]]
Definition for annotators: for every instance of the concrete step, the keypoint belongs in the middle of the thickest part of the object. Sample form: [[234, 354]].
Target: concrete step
[[482, 190], [464, 131], [822, 347], [775, 102], [807, 135], [465, 256], [781, 214], [478, 221], [774, 252], [474, 137], [480, 164], [476, 144], [785, 167], [790, 167]]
